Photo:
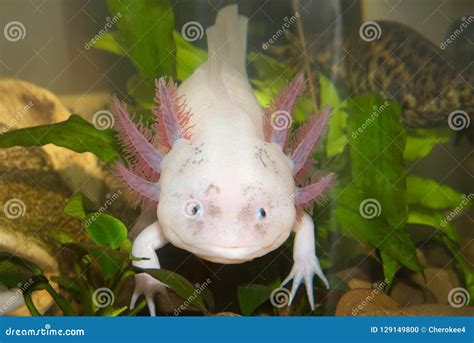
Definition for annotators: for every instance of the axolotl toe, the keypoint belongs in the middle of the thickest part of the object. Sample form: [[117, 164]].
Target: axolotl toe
[[221, 171]]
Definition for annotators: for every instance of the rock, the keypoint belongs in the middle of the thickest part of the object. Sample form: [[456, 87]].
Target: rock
[[439, 282], [363, 301], [32, 197], [23, 104]]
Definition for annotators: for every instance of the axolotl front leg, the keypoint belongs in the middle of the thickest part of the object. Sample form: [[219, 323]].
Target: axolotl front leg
[[144, 246], [306, 263]]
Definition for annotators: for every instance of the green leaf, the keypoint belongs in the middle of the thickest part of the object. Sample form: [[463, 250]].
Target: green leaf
[[67, 283], [110, 41], [146, 32], [420, 142], [180, 285], [78, 206], [110, 261], [105, 229], [464, 265], [376, 232], [390, 267], [433, 219], [377, 142], [14, 271], [336, 138], [429, 193], [251, 297], [142, 89], [188, 57], [75, 134]]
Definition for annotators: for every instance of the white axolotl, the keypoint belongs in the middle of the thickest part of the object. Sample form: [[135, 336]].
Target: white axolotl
[[219, 168]]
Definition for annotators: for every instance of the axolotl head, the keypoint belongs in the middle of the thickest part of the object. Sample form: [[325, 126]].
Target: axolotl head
[[224, 204]]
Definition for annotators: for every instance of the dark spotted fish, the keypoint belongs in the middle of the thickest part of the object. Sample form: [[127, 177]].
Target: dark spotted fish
[[401, 64]]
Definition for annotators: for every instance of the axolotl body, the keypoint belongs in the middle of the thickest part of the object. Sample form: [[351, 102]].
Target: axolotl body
[[219, 168]]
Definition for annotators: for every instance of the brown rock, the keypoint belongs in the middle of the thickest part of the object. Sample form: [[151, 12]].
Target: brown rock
[[362, 301]]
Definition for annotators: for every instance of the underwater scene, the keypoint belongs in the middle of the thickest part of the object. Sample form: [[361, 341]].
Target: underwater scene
[[236, 158]]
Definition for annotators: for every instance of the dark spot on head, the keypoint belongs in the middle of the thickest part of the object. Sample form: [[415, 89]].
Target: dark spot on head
[[214, 211], [212, 188], [246, 213]]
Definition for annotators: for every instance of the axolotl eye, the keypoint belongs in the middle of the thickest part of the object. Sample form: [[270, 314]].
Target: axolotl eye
[[261, 214], [193, 209]]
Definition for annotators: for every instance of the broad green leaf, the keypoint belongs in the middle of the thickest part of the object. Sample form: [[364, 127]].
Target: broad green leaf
[[465, 266], [15, 271], [185, 289], [146, 32], [188, 57], [373, 207], [420, 142], [376, 232], [251, 297], [110, 41], [434, 219], [105, 229], [75, 134], [336, 137], [77, 206], [429, 193], [110, 261]]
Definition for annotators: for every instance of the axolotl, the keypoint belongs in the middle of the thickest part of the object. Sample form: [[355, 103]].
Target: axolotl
[[222, 172]]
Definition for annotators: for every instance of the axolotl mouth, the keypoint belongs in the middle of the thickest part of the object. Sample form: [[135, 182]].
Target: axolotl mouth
[[226, 254]]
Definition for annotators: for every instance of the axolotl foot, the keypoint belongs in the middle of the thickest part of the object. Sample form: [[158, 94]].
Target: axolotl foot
[[306, 263], [148, 286]]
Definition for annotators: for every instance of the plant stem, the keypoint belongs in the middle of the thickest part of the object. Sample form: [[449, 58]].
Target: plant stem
[[30, 305], [60, 301], [137, 308], [83, 291], [307, 65]]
